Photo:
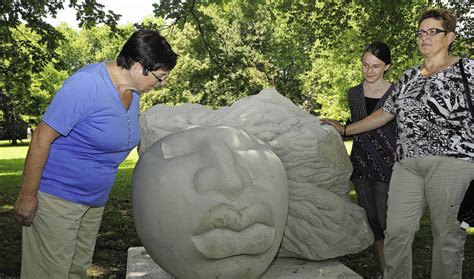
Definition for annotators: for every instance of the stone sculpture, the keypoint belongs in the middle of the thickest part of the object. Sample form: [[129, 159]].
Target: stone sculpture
[[322, 222], [210, 202]]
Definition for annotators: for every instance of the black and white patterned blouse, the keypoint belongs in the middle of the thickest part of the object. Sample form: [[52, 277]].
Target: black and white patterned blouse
[[432, 113]]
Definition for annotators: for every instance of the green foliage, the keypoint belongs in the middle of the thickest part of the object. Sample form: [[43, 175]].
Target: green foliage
[[464, 44], [332, 73], [308, 50], [28, 44]]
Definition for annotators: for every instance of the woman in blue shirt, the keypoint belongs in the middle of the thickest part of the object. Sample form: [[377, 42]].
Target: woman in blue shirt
[[88, 129]]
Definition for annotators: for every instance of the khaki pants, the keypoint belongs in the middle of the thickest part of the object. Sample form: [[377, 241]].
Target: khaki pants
[[60, 242], [440, 183]]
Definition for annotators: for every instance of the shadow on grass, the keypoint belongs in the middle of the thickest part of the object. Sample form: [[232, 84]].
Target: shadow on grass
[[10, 251], [11, 165]]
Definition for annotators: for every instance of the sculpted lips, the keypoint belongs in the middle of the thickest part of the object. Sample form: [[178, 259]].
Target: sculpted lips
[[227, 231]]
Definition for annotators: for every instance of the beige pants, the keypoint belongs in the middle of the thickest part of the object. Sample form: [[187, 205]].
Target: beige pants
[[440, 183], [60, 242]]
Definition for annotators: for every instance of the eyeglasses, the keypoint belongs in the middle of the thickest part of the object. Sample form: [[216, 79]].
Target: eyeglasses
[[160, 80], [429, 32]]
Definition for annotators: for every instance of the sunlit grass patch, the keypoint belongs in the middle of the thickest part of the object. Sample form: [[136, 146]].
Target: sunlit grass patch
[[6, 208], [10, 173], [128, 164], [8, 151], [348, 145], [353, 196], [100, 271]]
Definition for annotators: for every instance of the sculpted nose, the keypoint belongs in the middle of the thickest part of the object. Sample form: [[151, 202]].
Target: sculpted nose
[[224, 173]]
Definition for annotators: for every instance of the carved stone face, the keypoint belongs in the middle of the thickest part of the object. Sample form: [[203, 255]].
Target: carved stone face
[[210, 202]]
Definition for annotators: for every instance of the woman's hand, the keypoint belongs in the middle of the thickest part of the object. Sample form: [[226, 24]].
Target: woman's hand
[[25, 208], [38, 152], [375, 120], [336, 124]]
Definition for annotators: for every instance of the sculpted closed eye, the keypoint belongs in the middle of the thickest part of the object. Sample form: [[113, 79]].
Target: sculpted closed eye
[[168, 152]]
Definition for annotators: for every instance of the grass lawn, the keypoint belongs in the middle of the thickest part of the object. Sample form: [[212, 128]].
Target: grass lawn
[[117, 232]]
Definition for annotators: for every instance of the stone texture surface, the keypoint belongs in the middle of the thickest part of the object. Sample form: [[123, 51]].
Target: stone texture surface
[[287, 268], [141, 266], [322, 222]]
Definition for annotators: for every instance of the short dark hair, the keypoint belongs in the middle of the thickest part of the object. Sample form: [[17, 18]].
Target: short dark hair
[[446, 16], [148, 48], [380, 50]]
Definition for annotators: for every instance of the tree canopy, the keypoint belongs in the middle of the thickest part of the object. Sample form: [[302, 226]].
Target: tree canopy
[[308, 50], [28, 44]]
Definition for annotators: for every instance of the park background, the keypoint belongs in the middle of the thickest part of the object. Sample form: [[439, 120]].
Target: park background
[[308, 50]]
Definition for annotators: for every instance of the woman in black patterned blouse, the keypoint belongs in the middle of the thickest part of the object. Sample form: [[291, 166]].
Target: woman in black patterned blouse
[[373, 152], [435, 149]]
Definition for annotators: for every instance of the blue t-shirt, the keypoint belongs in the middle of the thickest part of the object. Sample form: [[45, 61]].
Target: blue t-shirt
[[97, 134]]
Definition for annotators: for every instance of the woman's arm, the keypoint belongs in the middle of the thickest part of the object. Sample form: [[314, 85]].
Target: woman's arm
[[373, 121], [38, 152]]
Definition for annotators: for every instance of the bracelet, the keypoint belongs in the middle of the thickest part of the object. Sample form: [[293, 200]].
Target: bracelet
[[344, 135]]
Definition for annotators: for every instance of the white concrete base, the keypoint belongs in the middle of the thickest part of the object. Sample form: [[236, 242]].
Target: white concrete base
[[140, 265]]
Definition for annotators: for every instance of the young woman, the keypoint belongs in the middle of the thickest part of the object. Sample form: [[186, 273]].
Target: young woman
[[373, 152]]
